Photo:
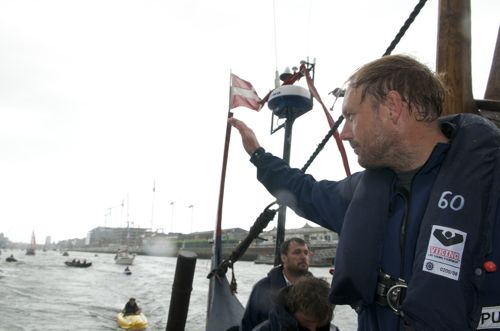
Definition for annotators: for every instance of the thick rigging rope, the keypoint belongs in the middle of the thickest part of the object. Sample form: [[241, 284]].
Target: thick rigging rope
[[405, 27]]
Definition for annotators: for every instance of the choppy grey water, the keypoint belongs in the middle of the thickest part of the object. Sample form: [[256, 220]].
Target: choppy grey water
[[41, 293]]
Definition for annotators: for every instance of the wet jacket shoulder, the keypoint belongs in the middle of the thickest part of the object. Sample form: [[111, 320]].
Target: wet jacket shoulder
[[325, 202]]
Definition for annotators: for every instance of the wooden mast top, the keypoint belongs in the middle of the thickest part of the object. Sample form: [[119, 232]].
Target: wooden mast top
[[454, 54], [454, 60]]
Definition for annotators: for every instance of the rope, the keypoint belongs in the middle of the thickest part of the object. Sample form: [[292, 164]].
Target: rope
[[323, 143], [259, 225], [335, 133], [275, 36], [405, 27]]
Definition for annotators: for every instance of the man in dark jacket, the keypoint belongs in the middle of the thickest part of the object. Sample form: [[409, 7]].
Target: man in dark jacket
[[420, 227], [295, 264], [302, 306], [131, 308]]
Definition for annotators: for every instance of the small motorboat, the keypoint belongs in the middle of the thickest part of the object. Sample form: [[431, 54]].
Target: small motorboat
[[124, 258], [127, 271], [132, 322], [78, 264], [11, 259]]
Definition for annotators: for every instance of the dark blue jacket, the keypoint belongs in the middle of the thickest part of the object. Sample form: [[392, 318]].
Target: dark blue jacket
[[431, 302], [260, 301]]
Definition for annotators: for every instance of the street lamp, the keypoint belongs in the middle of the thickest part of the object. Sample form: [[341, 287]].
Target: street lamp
[[108, 213], [172, 217], [192, 213]]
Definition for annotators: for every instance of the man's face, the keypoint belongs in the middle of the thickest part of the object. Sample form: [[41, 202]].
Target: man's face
[[367, 131], [296, 261]]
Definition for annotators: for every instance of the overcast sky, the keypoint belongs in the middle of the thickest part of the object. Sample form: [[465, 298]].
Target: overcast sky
[[101, 99]]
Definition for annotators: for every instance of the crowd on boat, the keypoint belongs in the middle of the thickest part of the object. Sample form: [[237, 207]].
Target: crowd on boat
[[77, 263]]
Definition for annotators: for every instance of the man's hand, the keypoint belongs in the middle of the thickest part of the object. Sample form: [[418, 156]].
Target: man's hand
[[248, 138]]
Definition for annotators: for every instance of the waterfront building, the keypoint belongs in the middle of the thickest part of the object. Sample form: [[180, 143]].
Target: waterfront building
[[315, 236], [116, 238]]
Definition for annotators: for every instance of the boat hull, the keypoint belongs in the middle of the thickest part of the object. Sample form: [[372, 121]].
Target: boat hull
[[124, 259], [132, 322], [78, 265]]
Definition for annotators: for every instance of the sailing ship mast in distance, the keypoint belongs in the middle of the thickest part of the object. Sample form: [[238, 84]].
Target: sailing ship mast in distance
[[31, 250], [123, 257]]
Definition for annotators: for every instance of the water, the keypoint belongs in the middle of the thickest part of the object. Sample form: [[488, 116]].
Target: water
[[41, 293]]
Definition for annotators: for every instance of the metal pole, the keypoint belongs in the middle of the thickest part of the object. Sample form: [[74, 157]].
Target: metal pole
[[280, 231]]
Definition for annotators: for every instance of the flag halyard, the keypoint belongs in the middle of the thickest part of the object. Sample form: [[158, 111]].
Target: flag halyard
[[243, 94]]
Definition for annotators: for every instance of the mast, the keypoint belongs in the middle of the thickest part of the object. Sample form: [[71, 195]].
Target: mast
[[217, 245], [453, 56], [153, 206], [280, 230], [288, 102], [224, 310], [33, 240]]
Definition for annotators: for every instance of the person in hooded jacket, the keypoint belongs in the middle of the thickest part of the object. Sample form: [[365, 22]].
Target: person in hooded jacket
[[131, 308]]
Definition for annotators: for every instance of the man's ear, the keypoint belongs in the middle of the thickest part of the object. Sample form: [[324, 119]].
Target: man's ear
[[283, 258], [394, 103]]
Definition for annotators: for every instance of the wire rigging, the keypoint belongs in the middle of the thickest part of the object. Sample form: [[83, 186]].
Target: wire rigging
[[275, 36]]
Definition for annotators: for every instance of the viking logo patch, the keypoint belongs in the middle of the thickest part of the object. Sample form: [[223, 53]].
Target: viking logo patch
[[448, 238], [444, 252]]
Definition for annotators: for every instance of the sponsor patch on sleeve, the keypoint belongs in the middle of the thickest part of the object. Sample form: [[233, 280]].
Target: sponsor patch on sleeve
[[444, 253], [490, 318]]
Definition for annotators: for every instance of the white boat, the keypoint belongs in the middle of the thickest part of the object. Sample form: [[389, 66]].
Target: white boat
[[31, 250], [124, 258]]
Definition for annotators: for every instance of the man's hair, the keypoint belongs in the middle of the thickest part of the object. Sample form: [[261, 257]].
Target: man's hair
[[286, 244], [309, 295], [422, 89]]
